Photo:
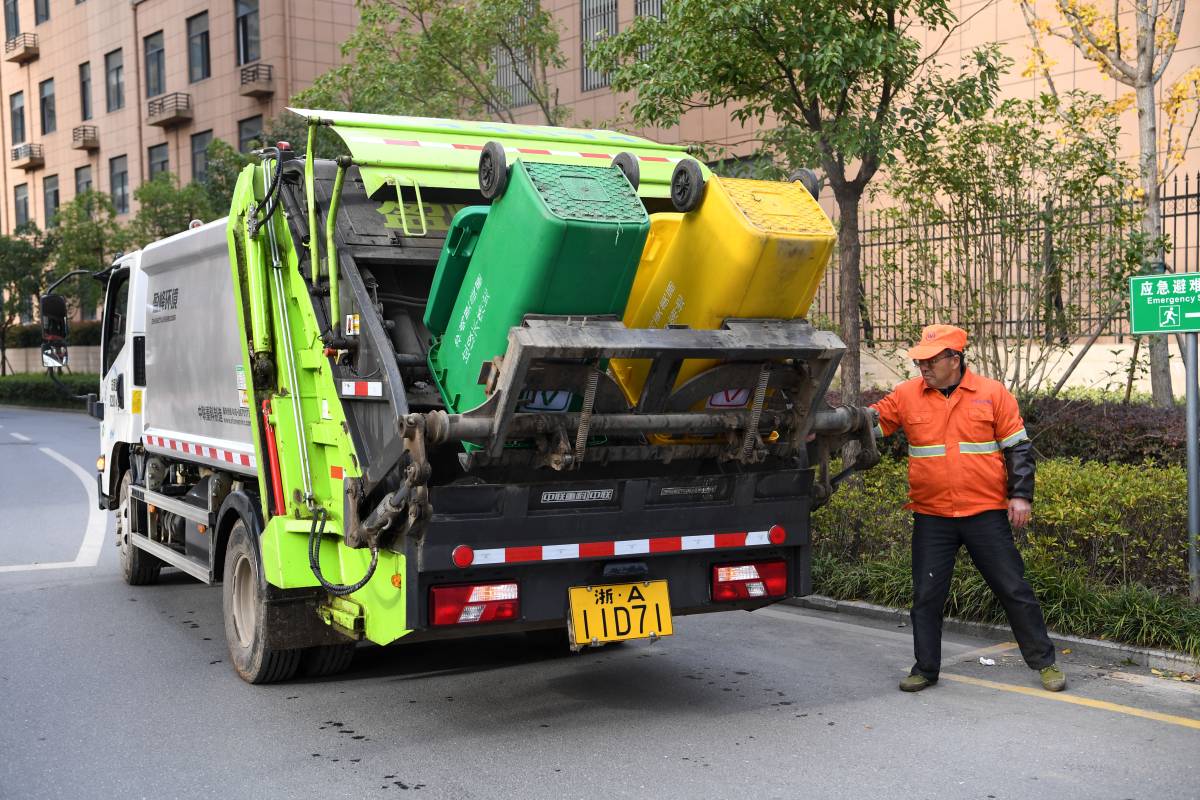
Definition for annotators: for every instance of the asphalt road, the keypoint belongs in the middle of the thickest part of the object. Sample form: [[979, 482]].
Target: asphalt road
[[111, 691]]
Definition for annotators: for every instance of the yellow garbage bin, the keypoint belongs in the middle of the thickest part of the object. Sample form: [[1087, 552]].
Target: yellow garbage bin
[[752, 249]]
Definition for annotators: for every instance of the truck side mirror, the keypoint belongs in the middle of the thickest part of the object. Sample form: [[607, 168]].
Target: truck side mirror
[[53, 312]]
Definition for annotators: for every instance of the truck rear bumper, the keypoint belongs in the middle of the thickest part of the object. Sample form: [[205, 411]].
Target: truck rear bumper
[[626, 531], [543, 587]]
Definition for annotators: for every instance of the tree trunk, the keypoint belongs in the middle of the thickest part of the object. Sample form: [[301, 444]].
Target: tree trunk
[[849, 291], [1160, 354]]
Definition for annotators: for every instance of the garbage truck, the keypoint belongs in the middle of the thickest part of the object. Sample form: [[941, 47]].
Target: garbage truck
[[468, 379]]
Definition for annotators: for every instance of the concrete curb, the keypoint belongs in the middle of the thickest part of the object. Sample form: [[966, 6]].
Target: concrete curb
[[1112, 651]]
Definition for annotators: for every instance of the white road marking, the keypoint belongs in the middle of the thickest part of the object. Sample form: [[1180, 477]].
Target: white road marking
[[93, 538], [19, 437]]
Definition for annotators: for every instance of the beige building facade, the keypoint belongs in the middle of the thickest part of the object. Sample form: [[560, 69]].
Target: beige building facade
[[980, 21], [104, 94]]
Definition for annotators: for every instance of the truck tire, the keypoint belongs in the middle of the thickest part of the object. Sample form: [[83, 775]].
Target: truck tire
[[324, 660], [138, 567], [493, 171], [244, 606], [687, 185], [628, 164]]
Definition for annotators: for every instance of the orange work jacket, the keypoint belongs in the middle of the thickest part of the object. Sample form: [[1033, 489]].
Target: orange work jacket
[[955, 464]]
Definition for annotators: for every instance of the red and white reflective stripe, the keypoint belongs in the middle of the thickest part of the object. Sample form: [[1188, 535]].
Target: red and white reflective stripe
[[362, 389], [530, 151], [464, 556], [204, 451]]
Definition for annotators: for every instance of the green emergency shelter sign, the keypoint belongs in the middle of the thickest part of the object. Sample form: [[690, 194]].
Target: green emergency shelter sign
[[1168, 303]]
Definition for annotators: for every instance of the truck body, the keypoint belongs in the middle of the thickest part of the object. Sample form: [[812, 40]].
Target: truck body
[[271, 419]]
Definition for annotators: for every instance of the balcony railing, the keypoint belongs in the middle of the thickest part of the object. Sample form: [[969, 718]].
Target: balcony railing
[[169, 109], [85, 137], [257, 81], [21, 48], [28, 156]]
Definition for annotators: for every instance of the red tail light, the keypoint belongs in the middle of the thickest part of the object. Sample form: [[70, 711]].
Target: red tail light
[[472, 603], [749, 581]]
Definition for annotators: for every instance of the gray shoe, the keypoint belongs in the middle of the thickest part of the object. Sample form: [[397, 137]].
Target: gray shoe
[[1053, 679], [915, 683]]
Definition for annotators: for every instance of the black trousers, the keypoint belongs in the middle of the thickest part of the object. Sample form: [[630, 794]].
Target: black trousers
[[989, 541]]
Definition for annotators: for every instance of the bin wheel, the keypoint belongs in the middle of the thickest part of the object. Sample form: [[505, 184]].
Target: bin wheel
[[628, 164], [493, 171], [687, 185], [808, 179], [138, 567], [245, 610]]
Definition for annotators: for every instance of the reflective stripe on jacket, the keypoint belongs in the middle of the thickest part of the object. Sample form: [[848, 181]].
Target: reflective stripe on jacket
[[956, 461]]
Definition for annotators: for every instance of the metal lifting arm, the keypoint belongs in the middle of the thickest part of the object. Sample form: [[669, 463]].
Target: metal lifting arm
[[335, 305], [311, 196], [260, 332]]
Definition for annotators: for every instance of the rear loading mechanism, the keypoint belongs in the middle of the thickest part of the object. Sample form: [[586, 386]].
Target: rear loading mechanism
[[452, 347]]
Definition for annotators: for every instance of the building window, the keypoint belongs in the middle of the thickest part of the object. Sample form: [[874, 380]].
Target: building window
[[83, 180], [200, 143], [41, 11], [249, 132], [159, 159], [12, 19], [156, 66], [247, 30], [21, 203], [16, 113], [197, 33], [46, 96], [118, 181], [50, 194], [85, 90], [647, 8], [599, 20], [513, 75], [114, 80]]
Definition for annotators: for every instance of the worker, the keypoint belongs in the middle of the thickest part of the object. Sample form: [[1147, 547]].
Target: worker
[[970, 482]]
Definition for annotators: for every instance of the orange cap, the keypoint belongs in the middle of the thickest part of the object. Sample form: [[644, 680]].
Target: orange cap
[[935, 339]]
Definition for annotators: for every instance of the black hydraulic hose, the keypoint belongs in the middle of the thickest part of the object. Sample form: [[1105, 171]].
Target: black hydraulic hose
[[272, 198], [314, 551]]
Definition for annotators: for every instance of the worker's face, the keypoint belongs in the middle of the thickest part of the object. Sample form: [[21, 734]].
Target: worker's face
[[941, 371]]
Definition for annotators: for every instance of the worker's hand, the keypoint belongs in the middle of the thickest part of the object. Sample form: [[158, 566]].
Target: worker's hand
[[1019, 512]]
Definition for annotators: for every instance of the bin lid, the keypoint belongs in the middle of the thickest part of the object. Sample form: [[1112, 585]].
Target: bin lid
[[589, 194], [445, 152]]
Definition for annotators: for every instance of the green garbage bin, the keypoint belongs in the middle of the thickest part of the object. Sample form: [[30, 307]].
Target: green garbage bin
[[562, 239]]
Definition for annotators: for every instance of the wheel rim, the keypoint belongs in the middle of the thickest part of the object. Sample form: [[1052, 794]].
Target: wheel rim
[[487, 172], [243, 601], [682, 187]]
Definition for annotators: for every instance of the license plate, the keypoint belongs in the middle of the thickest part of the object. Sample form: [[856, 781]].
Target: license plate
[[616, 612]]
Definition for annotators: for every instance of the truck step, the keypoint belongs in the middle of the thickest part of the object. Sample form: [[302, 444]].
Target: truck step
[[174, 558], [176, 505]]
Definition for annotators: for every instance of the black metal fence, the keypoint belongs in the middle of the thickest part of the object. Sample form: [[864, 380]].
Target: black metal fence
[[897, 252]]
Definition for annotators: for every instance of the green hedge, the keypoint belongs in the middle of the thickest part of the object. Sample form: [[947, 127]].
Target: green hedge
[[1115, 523], [36, 389], [81, 334]]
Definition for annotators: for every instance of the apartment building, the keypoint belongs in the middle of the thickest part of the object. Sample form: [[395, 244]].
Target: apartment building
[[587, 94], [105, 94]]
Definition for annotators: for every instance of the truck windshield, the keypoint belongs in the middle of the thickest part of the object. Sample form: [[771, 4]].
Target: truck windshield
[[115, 303]]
